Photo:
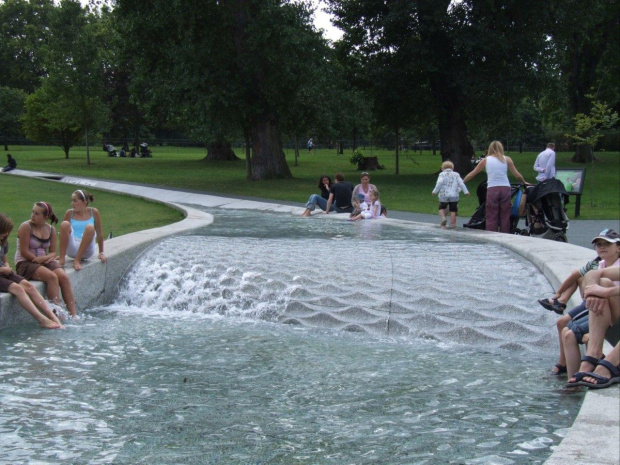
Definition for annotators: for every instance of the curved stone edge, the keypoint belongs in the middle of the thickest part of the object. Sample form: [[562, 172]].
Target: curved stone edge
[[595, 434], [96, 283]]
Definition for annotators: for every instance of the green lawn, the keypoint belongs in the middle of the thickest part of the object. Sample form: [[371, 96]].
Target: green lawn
[[408, 191], [120, 214]]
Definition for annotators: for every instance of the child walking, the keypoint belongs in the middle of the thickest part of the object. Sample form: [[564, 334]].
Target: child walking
[[449, 184], [25, 293]]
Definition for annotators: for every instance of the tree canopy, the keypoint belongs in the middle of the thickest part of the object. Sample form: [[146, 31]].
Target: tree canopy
[[218, 71]]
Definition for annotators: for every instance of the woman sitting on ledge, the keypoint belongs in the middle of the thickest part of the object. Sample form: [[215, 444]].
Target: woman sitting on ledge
[[36, 256], [80, 228]]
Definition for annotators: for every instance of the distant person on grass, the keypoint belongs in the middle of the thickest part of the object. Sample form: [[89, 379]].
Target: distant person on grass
[[79, 230], [25, 293], [11, 163]]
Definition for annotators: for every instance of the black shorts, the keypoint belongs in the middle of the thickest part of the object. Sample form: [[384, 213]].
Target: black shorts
[[452, 206], [7, 280]]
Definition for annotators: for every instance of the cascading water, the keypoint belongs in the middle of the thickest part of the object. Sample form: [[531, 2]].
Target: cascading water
[[270, 339]]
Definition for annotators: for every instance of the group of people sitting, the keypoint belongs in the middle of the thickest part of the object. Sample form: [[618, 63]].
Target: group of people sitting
[[361, 202], [39, 257], [587, 323]]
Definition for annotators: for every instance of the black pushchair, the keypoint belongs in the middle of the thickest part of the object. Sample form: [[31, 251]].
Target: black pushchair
[[542, 206], [545, 214], [478, 219]]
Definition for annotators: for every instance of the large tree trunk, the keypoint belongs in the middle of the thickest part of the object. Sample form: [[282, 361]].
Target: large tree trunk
[[220, 150], [447, 93], [455, 145], [268, 160], [583, 154]]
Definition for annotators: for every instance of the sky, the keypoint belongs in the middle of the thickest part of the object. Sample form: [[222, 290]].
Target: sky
[[322, 20]]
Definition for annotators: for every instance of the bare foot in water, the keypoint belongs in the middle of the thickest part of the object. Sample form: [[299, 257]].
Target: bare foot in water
[[77, 265], [49, 324]]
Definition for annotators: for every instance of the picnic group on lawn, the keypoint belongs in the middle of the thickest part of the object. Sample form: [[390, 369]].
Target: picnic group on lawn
[[41, 256]]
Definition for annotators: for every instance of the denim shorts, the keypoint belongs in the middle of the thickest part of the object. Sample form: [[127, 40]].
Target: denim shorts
[[580, 327]]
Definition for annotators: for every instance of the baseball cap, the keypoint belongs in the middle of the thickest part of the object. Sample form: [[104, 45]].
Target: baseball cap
[[609, 235]]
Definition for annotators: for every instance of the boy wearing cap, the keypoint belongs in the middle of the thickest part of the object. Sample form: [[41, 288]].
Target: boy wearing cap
[[574, 325]]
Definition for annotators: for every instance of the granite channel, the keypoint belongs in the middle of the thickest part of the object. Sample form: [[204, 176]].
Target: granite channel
[[96, 284]]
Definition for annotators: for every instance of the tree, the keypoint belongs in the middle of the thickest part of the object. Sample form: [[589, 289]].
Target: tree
[[228, 65], [23, 31], [586, 46], [474, 57], [75, 61], [48, 120], [12, 105]]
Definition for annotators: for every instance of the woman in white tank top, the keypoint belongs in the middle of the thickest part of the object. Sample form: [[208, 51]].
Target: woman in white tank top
[[498, 186]]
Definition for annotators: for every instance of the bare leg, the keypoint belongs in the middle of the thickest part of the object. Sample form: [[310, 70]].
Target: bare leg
[[571, 350], [26, 303], [453, 219], [51, 283], [442, 215], [65, 232], [67, 290], [561, 323], [87, 238], [599, 322], [306, 213], [38, 300]]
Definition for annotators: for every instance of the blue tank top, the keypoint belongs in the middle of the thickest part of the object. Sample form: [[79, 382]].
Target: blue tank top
[[79, 226]]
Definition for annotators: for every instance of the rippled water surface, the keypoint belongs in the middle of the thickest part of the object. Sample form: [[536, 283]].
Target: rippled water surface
[[271, 339]]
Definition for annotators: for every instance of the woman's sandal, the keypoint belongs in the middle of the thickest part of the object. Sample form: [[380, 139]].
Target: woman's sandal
[[561, 370], [603, 382], [582, 374], [554, 305]]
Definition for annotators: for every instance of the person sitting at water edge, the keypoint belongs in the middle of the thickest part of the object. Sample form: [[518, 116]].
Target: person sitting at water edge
[[603, 300], [25, 293], [374, 210], [577, 318], [359, 205], [36, 258], [449, 184], [339, 199], [364, 187], [80, 228]]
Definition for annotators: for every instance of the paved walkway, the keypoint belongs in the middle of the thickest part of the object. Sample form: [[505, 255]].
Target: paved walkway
[[580, 232]]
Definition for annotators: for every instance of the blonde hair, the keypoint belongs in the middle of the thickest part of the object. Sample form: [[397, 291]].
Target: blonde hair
[[447, 164], [374, 193], [496, 149]]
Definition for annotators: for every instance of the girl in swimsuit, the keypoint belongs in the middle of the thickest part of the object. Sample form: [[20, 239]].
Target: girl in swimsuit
[[35, 257], [25, 293], [80, 228]]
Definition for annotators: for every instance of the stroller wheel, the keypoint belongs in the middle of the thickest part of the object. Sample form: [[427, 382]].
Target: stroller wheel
[[561, 237]]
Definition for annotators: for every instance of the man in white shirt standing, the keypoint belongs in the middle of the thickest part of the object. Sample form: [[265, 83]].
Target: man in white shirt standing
[[545, 163]]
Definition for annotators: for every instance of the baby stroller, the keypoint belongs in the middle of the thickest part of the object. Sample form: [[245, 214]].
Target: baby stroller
[[478, 219], [545, 214]]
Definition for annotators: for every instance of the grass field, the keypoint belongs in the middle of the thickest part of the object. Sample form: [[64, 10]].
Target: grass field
[[121, 214], [409, 191]]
